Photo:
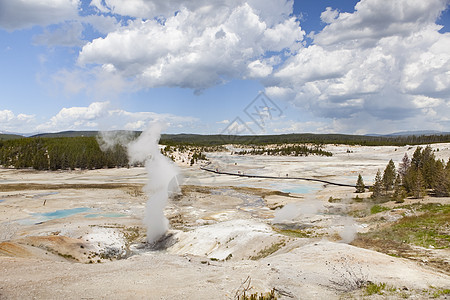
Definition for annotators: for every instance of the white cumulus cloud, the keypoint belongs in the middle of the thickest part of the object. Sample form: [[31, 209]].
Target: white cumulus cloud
[[273, 11], [194, 48], [6, 116], [375, 19], [102, 116], [10, 122], [76, 117], [18, 14], [385, 61]]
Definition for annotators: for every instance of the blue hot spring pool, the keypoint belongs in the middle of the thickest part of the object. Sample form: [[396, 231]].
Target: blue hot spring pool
[[287, 187], [37, 218], [295, 188]]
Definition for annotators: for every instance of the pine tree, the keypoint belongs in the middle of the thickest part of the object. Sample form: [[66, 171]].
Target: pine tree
[[418, 185], [441, 184], [377, 189], [416, 160], [399, 191], [404, 166], [360, 187], [428, 167], [40, 161], [389, 176]]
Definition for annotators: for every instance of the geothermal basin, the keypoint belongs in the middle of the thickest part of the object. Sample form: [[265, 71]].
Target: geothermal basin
[[79, 234]]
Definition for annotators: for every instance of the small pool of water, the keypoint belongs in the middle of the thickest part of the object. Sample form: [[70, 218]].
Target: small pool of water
[[294, 188], [38, 218], [44, 194], [1, 200]]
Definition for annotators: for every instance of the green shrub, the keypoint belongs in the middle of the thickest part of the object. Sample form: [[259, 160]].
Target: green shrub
[[255, 296], [373, 288], [334, 200], [378, 208]]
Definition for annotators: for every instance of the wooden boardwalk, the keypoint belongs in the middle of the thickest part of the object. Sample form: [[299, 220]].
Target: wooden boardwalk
[[277, 177]]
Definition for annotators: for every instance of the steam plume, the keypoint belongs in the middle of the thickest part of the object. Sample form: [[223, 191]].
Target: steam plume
[[108, 139], [291, 211], [349, 230], [162, 181]]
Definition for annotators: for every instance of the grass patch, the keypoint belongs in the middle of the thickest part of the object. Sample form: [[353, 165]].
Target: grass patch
[[67, 256], [134, 191], [131, 234], [391, 292], [377, 209], [359, 213], [428, 229], [243, 292], [269, 250], [378, 288], [261, 192], [440, 292], [298, 233], [357, 199], [334, 200], [374, 288], [255, 296], [428, 207]]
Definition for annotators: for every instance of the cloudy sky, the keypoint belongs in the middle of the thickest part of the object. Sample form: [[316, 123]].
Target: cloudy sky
[[225, 66]]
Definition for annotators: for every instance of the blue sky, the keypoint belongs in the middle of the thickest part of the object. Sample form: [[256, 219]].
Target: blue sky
[[369, 66]]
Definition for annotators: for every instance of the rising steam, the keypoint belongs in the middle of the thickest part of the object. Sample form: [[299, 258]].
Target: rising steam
[[108, 139], [292, 211], [162, 179], [346, 227]]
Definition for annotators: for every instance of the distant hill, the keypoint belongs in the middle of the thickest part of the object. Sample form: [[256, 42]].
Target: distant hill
[[73, 133], [8, 136], [67, 134], [417, 133], [411, 133]]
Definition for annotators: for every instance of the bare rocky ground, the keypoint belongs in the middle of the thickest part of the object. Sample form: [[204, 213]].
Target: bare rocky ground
[[79, 234]]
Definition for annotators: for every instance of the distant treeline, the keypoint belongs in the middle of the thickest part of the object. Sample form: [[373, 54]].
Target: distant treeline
[[69, 150], [295, 138], [288, 150], [304, 138], [60, 153]]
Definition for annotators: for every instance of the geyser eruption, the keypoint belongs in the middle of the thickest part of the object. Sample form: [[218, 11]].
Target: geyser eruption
[[162, 179]]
